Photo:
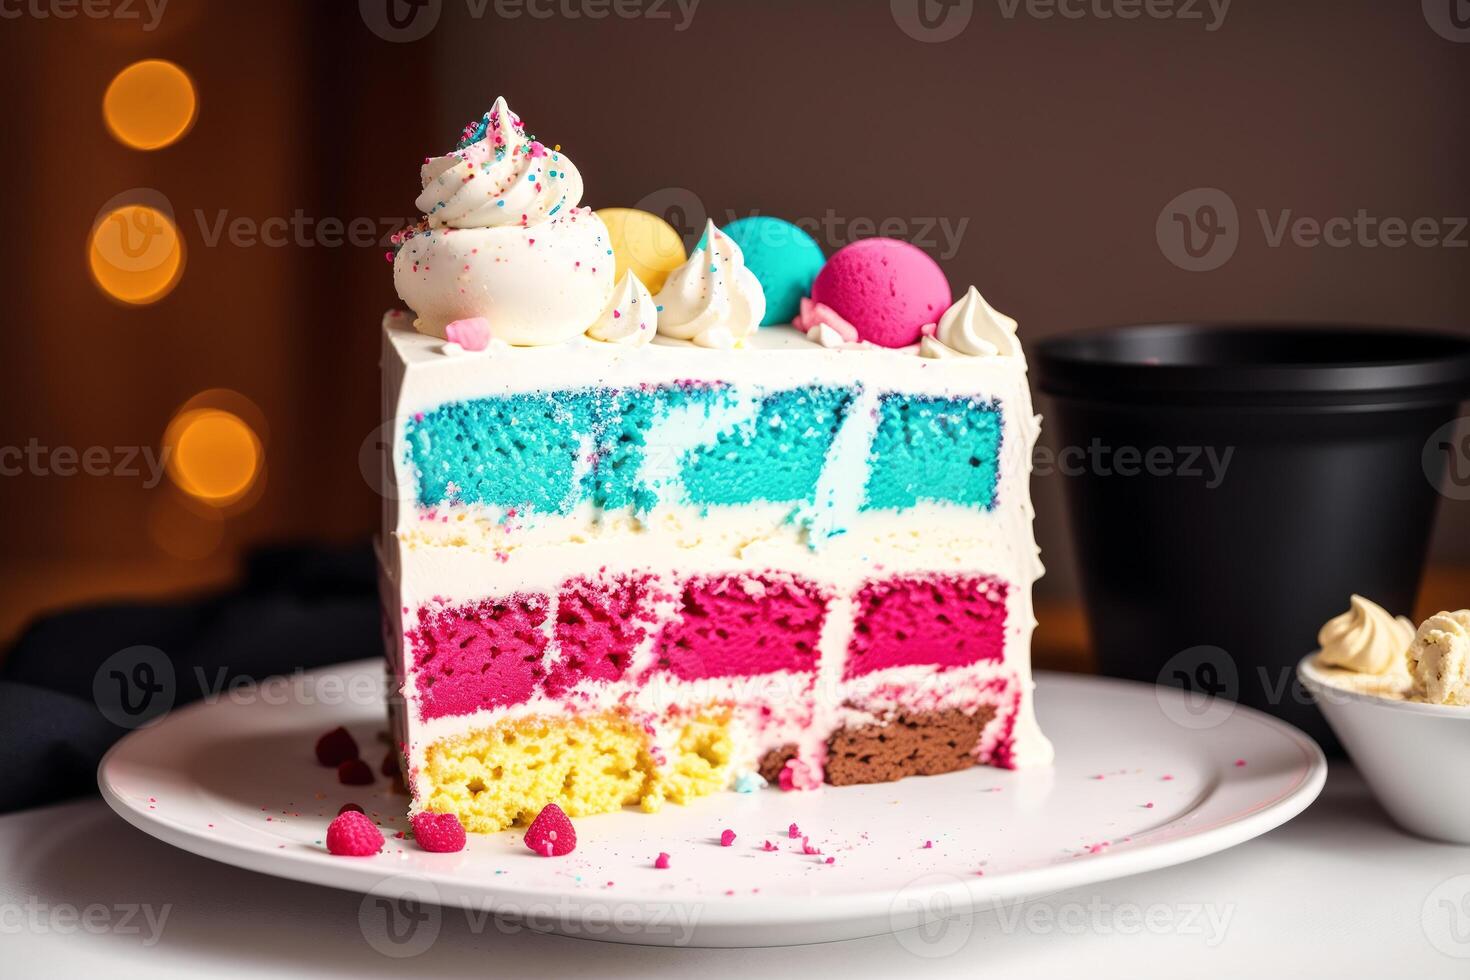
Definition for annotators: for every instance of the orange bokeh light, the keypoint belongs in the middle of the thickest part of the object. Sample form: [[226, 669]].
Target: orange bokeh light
[[136, 254], [150, 104], [214, 456]]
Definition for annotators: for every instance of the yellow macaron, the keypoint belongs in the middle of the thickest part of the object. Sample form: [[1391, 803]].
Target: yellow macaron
[[644, 244]]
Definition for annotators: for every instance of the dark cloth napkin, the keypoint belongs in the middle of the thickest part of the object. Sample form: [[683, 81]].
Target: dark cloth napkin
[[75, 682]]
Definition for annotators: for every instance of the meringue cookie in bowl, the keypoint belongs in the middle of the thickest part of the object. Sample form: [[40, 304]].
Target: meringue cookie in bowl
[[503, 239], [972, 328], [1366, 638], [712, 299], [1439, 659], [630, 318]]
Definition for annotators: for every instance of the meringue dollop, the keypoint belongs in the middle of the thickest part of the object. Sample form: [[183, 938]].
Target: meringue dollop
[[630, 318], [972, 328], [712, 299]]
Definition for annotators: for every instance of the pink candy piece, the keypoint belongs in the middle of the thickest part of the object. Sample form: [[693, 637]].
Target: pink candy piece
[[471, 333], [814, 314], [797, 775], [551, 834], [793, 831], [662, 861], [352, 834], [440, 833], [885, 288], [727, 837]]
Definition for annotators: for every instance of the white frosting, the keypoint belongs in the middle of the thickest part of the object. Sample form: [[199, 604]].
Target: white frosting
[[502, 179], [825, 335], [1366, 638], [712, 299], [446, 559], [631, 316], [972, 328], [1439, 659], [504, 239]]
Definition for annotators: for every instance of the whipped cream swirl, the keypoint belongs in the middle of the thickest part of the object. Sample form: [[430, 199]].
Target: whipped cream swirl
[[712, 299], [971, 328], [631, 316], [1366, 639], [497, 176], [1439, 659]]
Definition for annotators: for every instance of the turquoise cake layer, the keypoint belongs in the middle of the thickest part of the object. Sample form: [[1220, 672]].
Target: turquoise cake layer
[[934, 448], [549, 452]]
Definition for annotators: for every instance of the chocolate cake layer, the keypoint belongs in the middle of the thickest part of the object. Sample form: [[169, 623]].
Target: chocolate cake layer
[[924, 743]]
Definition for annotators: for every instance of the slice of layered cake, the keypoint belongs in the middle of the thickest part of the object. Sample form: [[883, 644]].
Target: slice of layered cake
[[640, 548]]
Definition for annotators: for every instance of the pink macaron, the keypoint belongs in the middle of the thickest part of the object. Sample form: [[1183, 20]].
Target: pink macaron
[[887, 289]]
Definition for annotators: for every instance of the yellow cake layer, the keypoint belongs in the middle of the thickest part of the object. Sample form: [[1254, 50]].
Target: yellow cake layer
[[505, 773]]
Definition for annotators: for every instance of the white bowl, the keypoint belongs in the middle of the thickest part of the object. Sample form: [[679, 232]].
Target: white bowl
[[1415, 757]]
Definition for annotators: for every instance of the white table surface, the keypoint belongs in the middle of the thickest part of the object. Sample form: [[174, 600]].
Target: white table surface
[[1338, 892]]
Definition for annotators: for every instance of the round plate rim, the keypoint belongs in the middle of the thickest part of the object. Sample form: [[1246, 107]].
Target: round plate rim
[[968, 894]]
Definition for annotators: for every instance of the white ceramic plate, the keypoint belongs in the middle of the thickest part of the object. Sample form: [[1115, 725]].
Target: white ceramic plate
[[1144, 779]]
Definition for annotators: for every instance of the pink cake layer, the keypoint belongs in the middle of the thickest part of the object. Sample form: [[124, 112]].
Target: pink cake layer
[[492, 653]]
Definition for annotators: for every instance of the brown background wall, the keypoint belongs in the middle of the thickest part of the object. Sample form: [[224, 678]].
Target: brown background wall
[[1053, 144]]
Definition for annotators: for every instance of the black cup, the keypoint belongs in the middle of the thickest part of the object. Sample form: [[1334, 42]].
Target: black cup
[[1230, 486]]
